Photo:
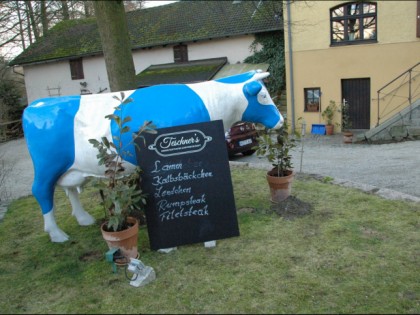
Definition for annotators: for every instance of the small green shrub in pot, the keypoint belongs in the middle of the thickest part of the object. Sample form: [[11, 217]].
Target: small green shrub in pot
[[329, 112], [276, 146], [346, 123], [121, 193]]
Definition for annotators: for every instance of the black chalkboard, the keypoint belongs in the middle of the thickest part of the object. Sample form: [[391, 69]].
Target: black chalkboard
[[187, 178]]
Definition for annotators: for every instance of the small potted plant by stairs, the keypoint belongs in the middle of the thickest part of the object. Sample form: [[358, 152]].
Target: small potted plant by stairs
[[328, 114], [121, 193], [276, 146]]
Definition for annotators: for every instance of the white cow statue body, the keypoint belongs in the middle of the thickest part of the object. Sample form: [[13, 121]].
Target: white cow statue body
[[57, 129]]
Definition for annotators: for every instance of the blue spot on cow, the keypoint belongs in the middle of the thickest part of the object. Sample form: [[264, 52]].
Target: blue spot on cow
[[256, 111], [172, 100], [54, 117]]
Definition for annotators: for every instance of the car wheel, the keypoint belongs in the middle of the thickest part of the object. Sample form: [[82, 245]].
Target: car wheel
[[249, 152]]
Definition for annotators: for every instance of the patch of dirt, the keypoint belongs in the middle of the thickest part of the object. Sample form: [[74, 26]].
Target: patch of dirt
[[246, 210], [140, 216], [91, 256], [292, 208]]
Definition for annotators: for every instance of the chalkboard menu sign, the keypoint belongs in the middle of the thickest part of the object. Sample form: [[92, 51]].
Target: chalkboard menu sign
[[187, 178]]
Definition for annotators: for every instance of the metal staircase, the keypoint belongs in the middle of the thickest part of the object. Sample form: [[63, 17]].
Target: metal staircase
[[398, 107]]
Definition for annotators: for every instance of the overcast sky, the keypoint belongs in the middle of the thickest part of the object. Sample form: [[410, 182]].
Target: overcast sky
[[155, 3]]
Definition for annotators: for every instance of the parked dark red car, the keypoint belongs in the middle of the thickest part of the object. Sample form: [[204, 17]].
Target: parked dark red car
[[240, 138]]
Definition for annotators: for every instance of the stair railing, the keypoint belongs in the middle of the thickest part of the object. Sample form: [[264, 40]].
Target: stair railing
[[405, 80]]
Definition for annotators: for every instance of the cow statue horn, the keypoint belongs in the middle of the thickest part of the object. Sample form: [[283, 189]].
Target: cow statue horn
[[261, 75]]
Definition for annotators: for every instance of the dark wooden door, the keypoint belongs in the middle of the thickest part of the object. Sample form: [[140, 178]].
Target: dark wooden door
[[356, 92], [418, 19]]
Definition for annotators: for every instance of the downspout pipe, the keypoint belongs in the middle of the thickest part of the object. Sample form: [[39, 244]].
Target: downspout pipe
[[292, 83]]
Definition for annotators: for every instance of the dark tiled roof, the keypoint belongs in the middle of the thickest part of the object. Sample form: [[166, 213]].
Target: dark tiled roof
[[184, 21], [185, 72]]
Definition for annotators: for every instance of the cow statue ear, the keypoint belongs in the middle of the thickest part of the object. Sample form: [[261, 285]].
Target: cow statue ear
[[253, 88]]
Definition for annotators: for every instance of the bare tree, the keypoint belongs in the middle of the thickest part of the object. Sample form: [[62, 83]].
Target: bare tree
[[22, 22]]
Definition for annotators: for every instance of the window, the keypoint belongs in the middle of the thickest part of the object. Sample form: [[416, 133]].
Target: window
[[76, 69], [312, 99], [353, 23], [180, 53]]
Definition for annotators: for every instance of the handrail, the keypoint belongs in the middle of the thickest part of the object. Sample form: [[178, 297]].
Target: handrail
[[410, 80], [9, 122], [10, 130]]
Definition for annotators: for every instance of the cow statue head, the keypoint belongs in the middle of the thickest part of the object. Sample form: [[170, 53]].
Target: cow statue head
[[260, 107]]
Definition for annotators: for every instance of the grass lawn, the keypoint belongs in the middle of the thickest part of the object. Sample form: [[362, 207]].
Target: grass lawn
[[354, 253]]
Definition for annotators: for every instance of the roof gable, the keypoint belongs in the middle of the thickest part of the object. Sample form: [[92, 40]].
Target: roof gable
[[179, 22]]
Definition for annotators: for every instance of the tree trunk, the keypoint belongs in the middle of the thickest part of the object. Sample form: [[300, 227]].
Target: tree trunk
[[88, 8], [44, 17], [29, 29], [22, 37], [32, 19], [116, 46], [65, 10]]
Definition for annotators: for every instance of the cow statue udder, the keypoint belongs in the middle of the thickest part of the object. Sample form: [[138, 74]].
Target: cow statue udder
[[57, 129]]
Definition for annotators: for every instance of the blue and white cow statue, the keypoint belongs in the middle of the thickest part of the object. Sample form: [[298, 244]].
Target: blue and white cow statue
[[57, 129]]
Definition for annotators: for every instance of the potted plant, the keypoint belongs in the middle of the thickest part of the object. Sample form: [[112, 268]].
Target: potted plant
[[276, 146], [121, 193], [346, 123], [328, 114]]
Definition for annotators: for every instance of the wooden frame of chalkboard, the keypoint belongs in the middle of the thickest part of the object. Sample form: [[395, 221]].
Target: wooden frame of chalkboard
[[186, 176]]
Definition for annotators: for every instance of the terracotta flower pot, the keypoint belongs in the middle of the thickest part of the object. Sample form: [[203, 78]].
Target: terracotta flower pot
[[280, 187], [348, 137], [329, 129], [125, 240]]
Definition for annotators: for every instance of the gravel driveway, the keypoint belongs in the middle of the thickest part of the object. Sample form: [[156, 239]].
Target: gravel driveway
[[390, 170]]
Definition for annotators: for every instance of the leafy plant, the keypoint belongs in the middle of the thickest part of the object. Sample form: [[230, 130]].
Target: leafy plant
[[329, 112], [121, 194], [5, 170], [327, 179], [269, 48], [276, 146], [346, 123]]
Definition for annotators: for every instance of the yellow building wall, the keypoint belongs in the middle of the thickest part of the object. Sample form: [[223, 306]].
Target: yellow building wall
[[316, 64]]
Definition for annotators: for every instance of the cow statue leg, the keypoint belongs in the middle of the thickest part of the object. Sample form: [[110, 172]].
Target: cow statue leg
[[43, 191], [82, 217], [51, 227]]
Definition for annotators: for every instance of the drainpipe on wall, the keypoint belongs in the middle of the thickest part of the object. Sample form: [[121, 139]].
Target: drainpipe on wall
[[292, 86]]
